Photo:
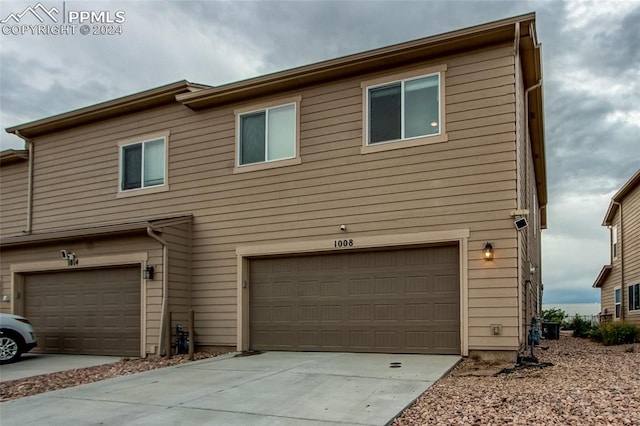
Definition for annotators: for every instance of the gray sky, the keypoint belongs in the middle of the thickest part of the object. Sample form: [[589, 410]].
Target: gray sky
[[591, 57]]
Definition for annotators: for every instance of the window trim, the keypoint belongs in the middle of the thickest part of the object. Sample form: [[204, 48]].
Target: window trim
[[149, 137], [367, 148], [617, 314], [263, 106], [615, 248]]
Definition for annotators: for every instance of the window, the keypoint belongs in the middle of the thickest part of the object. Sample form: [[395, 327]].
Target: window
[[143, 164], [618, 301], [634, 297], [534, 211], [404, 109], [614, 242], [267, 135]]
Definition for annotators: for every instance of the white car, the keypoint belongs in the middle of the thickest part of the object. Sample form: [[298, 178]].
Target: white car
[[16, 337]]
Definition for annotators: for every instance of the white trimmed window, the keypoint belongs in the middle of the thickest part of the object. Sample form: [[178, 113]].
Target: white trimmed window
[[404, 109], [267, 135], [634, 297], [614, 242], [617, 298], [143, 164]]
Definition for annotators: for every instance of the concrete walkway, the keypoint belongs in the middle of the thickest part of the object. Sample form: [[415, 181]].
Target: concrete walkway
[[273, 388], [35, 364]]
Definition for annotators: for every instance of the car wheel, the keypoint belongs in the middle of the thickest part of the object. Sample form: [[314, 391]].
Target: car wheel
[[10, 349]]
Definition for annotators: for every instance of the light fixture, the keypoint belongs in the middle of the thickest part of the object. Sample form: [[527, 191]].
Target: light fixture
[[487, 251], [70, 257], [147, 273]]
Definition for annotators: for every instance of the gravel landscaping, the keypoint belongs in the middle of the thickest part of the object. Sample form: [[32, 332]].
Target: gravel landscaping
[[575, 382], [587, 384]]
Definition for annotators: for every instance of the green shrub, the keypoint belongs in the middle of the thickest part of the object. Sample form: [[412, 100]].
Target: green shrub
[[580, 326], [553, 315], [616, 333]]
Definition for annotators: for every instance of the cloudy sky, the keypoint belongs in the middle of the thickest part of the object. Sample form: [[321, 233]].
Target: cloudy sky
[[591, 56]]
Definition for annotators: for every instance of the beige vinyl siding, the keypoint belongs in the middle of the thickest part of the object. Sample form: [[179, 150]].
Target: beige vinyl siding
[[631, 247], [614, 279], [468, 182], [13, 198], [178, 238]]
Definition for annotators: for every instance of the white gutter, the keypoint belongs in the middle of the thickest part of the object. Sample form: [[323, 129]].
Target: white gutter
[[29, 144], [165, 287]]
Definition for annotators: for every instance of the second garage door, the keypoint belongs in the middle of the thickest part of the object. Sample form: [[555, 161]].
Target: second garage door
[[94, 312], [394, 301]]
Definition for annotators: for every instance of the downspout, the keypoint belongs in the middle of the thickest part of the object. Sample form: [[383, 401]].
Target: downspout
[[621, 242], [516, 52], [165, 286], [528, 143], [539, 267], [29, 144]]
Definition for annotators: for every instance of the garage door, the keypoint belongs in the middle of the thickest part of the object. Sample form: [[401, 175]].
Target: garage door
[[85, 311], [394, 301]]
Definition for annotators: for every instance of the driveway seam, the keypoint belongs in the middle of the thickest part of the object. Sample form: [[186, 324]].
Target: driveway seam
[[277, 417]]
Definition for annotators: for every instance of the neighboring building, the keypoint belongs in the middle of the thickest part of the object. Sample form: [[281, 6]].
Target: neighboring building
[[619, 282], [339, 206], [13, 191]]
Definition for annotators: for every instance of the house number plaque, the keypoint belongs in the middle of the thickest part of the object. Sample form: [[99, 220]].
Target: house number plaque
[[343, 243]]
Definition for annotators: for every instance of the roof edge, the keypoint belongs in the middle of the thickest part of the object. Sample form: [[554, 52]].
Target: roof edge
[[95, 231], [602, 276], [153, 97], [332, 68], [13, 156], [619, 196]]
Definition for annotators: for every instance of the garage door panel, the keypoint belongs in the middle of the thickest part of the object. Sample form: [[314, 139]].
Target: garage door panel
[[309, 289], [419, 340], [86, 311], [404, 301]]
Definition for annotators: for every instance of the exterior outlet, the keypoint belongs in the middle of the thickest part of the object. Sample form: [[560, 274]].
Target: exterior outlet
[[496, 329]]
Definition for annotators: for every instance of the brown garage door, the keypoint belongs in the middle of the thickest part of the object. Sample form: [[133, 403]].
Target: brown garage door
[[93, 311], [395, 301]]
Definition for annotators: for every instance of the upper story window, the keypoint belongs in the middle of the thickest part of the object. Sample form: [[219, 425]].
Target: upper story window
[[406, 108], [143, 163], [614, 242], [534, 212], [634, 297], [267, 135]]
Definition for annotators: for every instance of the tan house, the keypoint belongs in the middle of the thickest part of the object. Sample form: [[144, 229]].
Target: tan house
[[619, 282], [377, 202]]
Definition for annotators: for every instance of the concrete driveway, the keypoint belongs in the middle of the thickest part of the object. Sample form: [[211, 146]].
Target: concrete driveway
[[273, 388], [35, 364]]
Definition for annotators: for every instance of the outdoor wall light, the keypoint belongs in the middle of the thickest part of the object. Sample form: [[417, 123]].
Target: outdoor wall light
[[147, 273], [487, 251]]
